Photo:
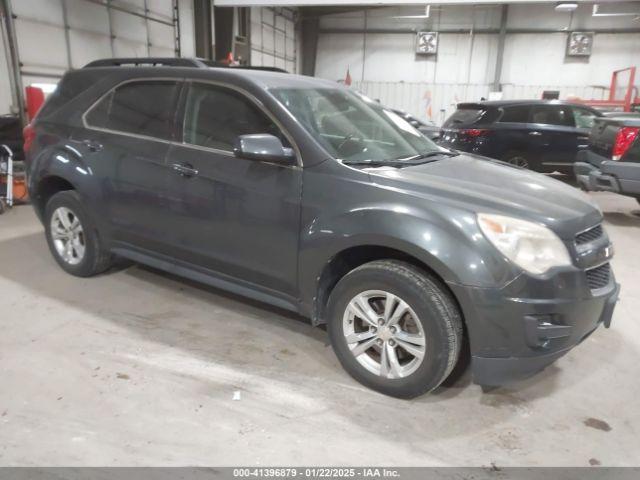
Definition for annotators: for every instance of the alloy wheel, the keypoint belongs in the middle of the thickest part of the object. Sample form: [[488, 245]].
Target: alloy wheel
[[518, 161], [68, 236], [384, 334]]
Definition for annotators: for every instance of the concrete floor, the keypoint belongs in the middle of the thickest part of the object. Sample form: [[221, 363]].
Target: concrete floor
[[136, 367]]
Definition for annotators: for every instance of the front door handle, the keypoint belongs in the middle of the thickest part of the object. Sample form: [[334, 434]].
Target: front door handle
[[92, 146], [184, 169], [535, 134]]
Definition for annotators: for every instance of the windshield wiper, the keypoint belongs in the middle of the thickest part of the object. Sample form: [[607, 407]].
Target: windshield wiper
[[426, 155], [372, 163], [404, 161]]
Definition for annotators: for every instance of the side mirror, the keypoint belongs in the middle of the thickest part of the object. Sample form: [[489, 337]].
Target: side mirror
[[263, 146]]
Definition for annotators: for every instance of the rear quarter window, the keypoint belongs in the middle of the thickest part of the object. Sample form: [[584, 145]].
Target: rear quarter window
[[464, 116]]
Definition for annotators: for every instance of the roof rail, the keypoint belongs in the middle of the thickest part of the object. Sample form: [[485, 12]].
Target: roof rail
[[146, 61], [173, 62]]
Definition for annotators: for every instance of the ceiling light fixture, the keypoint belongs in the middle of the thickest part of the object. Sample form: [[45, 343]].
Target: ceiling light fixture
[[566, 6], [596, 13], [427, 14]]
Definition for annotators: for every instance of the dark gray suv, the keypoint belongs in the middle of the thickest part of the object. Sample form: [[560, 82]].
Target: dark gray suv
[[304, 195]]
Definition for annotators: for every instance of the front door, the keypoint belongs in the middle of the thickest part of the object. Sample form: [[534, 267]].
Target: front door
[[236, 217]]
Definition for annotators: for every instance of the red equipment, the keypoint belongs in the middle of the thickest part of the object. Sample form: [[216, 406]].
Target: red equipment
[[34, 99], [623, 96]]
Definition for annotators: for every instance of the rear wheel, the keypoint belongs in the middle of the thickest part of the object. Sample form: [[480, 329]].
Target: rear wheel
[[72, 236], [517, 159], [394, 328]]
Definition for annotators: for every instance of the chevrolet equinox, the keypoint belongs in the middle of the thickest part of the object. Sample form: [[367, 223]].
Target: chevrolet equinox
[[308, 196]]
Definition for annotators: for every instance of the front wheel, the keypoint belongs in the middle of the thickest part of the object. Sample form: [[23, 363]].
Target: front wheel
[[394, 328]]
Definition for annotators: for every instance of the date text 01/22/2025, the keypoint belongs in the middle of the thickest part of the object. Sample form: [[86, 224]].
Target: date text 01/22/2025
[[316, 472]]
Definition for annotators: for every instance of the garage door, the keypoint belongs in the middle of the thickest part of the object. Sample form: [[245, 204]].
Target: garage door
[[56, 35], [273, 38]]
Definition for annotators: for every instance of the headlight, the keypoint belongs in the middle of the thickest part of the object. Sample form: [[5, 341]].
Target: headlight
[[529, 245]]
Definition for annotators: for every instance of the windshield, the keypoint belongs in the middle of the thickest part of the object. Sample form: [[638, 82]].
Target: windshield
[[355, 129]]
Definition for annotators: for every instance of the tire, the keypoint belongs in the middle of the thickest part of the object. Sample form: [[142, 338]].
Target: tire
[[431, 309], [517, 159], [86, 256]]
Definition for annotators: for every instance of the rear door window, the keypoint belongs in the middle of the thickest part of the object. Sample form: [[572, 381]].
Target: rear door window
[[141, 108], [515, 114], [560, 115]]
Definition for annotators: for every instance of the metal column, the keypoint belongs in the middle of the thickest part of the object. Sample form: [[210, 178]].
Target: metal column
[[13, 59], [500, 56]]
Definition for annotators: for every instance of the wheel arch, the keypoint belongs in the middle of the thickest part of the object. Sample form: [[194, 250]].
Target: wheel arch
[[46, 188], [352, 257]]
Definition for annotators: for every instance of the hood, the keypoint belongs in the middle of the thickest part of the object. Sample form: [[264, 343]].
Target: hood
[[480, 184]]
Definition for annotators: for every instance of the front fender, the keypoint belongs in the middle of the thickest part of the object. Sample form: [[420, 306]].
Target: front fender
[[448, 241]]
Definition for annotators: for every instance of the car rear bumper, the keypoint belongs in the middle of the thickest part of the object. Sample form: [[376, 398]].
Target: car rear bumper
[[514, 334], [596, 173]]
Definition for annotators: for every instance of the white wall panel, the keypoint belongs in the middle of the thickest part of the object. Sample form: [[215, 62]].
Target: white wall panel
[[88, 16], [273, 39], [533, 59], [87, 46], [42, 42], [426, 101], [187, 35], [44, 10], [161, 36], [129, 27], [464, 70], [5, 82], [41, 46]]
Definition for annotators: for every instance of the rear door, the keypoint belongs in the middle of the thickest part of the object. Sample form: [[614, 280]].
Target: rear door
[[552, 137], [234, 216], [125, 141]]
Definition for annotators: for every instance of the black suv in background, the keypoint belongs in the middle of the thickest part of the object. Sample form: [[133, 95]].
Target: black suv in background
[[544, 136], [612, 161], [300, 193]]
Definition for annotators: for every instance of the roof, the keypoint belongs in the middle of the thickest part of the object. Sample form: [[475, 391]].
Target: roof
[[264, 77], [504, 103]]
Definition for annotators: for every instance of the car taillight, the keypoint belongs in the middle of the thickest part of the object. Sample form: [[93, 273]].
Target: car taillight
[[475, 132], [624, 139], [29, 135]]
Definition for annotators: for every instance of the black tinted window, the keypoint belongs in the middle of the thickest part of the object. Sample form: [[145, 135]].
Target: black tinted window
[[470, 115], [518, 114], [583, 118], [552, 115], [142, 108], [216, 116]]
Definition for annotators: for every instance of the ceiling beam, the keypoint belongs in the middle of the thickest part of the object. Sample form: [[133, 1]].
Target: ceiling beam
[[364, 3]]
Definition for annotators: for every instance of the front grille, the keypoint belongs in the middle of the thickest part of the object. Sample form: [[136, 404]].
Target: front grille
[[589, 235], [599, 277]]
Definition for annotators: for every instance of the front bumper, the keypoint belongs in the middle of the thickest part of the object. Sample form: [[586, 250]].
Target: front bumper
[[517, 331]]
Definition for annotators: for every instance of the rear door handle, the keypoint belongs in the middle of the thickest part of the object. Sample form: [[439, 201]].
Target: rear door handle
[[92, 146], [184, 169], [535, 134]]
